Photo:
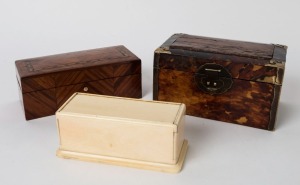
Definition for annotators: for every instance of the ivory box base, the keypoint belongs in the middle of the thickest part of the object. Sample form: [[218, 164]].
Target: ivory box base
[[162, 167]]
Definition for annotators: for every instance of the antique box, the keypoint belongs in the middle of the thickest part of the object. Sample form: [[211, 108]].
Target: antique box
[[122, 131], [47, 82], [225, 80]]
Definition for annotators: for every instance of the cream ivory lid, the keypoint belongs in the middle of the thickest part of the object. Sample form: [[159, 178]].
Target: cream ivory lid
[[110, 107]]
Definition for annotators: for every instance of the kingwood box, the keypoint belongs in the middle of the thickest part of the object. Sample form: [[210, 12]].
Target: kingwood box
[[47, 82]]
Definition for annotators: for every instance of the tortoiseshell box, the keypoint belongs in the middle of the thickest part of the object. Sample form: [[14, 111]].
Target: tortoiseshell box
[[225, 80]]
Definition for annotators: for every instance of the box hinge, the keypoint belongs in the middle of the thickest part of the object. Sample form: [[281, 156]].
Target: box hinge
[[275, 61], [163, 50], [280, 46], [279, 55]]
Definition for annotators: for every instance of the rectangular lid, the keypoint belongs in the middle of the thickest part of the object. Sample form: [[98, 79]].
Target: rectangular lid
[[244, 60], [223, 46], [153, 112], [74, 60]]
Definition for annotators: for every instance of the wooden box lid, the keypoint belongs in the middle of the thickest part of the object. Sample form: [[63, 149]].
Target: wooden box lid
[[244, 60], [76, 67]]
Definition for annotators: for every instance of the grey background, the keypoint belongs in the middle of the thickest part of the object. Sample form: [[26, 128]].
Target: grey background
[[219, 153]]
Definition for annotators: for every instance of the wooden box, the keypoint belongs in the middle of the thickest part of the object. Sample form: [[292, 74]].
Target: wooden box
[[122, 131], [225, 80], [47, 82]]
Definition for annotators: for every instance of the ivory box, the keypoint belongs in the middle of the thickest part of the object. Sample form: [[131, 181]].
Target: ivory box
[[122, 131], [45, 83]]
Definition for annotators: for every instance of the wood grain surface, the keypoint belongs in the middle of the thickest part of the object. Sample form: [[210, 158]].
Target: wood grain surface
[[39, 103], [47, 82], [223, 46], [74, 60]]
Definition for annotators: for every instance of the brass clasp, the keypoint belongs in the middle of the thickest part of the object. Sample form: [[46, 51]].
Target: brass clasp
[[213, 78]]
